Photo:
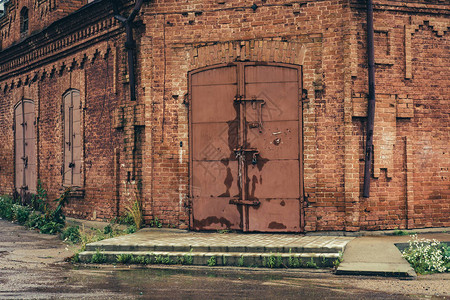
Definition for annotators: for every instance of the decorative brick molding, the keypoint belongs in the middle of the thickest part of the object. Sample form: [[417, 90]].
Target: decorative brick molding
[[69, 63], [388, 56], [439, 27], [388, 109], [268, 50], [25, 59]]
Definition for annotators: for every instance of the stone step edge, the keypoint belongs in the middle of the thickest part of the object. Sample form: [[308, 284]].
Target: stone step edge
[[227, 249], [223, 258]]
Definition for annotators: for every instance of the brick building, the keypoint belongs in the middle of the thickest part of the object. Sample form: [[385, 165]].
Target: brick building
[[248, 115]]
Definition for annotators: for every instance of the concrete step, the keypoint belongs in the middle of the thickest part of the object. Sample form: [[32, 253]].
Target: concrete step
[[219, 248], [241, 259], [232, 249]]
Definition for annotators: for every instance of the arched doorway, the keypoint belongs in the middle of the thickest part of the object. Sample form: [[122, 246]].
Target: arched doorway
[[246, 147]]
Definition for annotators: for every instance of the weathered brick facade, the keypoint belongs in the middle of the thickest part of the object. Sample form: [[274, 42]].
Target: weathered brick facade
[[146, 142]]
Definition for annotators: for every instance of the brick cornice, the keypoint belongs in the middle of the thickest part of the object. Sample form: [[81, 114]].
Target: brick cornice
[[412, 6], [61, 39]]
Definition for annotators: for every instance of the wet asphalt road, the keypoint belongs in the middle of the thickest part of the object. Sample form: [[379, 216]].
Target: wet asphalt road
[[32, 267]]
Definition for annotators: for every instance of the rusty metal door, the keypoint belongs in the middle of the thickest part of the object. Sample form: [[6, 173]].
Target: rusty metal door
[[246, 148], [25, 147], [72, 138]]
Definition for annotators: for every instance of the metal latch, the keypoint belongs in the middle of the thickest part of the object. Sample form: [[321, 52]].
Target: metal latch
[[245, 202]]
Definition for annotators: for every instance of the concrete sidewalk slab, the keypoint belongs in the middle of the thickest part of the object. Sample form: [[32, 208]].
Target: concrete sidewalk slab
[[374, 256], [378, 255]]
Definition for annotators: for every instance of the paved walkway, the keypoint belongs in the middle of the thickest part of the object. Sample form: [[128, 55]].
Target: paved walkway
[[378, 255], [172, 239], [362, 255]]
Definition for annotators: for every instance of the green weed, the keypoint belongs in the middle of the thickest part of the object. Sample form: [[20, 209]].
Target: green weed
[[241, 261], [98, 257], [155, 223], [71, 234], [212, 261], [124, 258], [311, 264]]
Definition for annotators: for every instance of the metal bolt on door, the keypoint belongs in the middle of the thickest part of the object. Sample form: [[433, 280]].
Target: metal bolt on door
[[25, 147], [245, 133]]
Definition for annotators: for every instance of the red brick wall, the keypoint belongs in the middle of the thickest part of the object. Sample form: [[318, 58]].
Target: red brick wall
[[217, 24], [411, 124], [147, 141]]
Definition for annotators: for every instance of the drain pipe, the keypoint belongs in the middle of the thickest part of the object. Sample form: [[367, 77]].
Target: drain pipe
[[371, 101], [130, 43]]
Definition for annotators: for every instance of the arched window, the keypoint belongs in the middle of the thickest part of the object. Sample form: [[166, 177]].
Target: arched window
[[24, 21], [72, 138], [25, 146]]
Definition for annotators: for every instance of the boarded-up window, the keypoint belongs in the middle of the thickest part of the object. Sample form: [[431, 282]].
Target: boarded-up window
[[25, 147], [72, 138]]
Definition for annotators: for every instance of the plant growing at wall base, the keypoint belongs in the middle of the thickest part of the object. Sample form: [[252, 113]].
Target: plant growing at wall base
[[6, 208], [134, 206], [427, 256], [155, 223], [71, 234]]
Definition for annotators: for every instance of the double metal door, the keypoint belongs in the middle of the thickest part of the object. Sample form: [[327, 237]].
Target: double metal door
[[25, 147], [246, 148]]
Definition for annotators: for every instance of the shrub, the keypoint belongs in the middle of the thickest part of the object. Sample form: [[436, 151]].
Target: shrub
[[131, 229], [34, 221], [51, 227], [426, 256], [6, 208], [39, 201], [21, 213], [71, 234]]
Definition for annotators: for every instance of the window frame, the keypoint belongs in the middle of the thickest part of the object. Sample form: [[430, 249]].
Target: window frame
[[24, 21], [72, 160]]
